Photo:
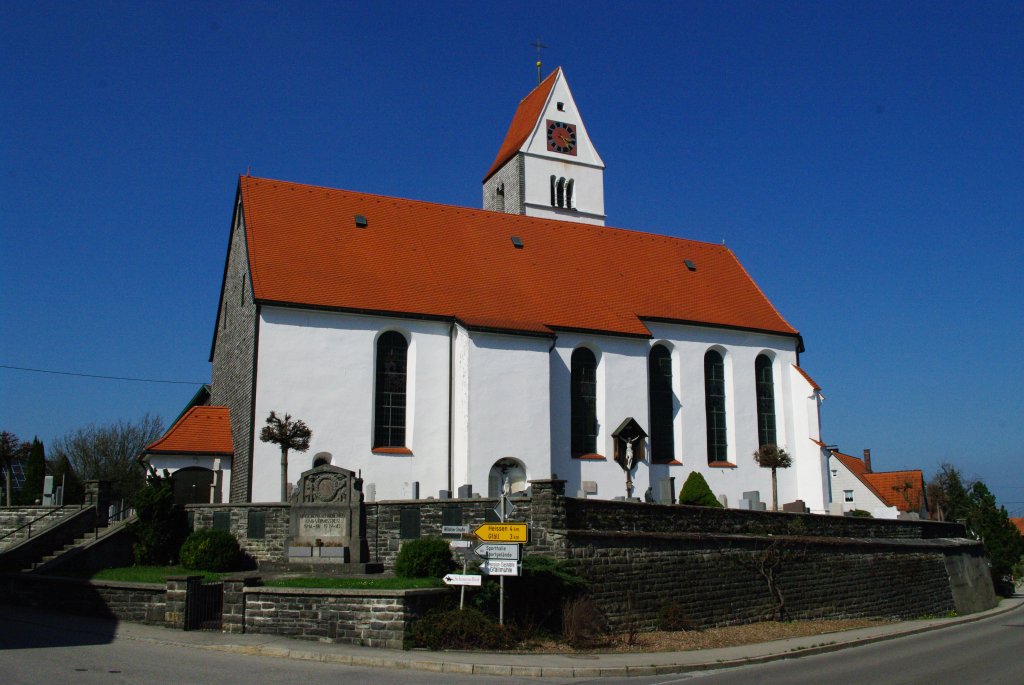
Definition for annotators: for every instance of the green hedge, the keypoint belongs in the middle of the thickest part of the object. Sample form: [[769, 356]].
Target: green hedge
[[211, 550]]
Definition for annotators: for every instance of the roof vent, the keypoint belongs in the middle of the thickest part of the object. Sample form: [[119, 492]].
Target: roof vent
[[690, 265], [360, 221], [517, 242]]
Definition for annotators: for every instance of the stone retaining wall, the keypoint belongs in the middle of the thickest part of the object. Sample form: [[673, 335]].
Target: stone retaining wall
[[13, 518], [373, 618], [135, 602]]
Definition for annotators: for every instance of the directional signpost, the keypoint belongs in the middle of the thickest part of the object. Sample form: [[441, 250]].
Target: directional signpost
[[454, 530], [462, 579], [503, 532], [495, 550], [500, 567]]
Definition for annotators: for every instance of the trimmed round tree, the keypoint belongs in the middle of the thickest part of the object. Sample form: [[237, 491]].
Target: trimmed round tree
[[697, 492], [288, 435], [773, 457]]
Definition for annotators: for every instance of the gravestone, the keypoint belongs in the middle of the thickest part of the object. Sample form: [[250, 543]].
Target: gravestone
[[328, 519], [796, 507]]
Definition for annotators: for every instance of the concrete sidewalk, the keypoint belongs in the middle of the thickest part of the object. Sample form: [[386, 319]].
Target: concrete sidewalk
[[496, 663]]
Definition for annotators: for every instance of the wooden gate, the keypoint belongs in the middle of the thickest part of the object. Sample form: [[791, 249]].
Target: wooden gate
[[204, 605]]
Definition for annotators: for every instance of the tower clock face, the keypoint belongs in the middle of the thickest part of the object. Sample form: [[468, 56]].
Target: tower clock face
[[561, 137]]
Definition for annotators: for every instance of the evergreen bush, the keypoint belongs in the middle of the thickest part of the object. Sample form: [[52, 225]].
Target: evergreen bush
[[534, 600], [696, 492], [210, 550], [424, 558], [161, 525]]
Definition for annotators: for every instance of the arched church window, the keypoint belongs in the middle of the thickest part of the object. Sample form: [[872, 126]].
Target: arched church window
[[568, 194], [560, 193], [660, 398], [389, 404], [765, 401], [583, 390], [554, 182], [714, 405]]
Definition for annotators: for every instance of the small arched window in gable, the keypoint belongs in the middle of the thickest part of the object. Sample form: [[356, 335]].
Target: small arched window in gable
[[714, 405], [560, 193], [554, 182], [765, 401], [569, 187], [390, 395], [583, 390]]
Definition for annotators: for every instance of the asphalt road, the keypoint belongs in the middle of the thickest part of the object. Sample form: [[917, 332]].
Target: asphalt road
[[49, 649]]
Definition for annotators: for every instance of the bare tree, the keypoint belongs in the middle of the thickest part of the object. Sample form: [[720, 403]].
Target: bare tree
[[12, 449], [110, 452], [288, 435], [773, 457]]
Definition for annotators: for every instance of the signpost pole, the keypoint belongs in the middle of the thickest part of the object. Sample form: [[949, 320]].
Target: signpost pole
[[501, 579], [462, 590]]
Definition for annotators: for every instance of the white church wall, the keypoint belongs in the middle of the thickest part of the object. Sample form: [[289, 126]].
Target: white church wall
[[319, 367], [810, 460], [460, 408], [508, 405]]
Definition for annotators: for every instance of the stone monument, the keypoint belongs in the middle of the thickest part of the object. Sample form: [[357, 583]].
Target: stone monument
[[328, 520]]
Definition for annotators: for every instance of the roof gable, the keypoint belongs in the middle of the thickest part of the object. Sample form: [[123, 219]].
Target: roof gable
[[201, 430], [456, 263], [523, 122]]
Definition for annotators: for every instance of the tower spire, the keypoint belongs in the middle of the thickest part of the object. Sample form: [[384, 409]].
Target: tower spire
[[537, 44]]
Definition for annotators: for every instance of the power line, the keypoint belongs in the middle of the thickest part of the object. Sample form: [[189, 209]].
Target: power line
[[93, 375]]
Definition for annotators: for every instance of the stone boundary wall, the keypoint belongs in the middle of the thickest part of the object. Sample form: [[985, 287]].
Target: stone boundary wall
[[721, 580], [134, 602], [605, 515], [372, 618], [384, 520], [13, 518], [271, 546]]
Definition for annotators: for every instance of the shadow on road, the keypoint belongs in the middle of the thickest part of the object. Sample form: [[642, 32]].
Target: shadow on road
[[31, 628]]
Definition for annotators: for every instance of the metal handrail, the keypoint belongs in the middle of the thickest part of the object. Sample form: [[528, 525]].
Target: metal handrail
[[36, 520]]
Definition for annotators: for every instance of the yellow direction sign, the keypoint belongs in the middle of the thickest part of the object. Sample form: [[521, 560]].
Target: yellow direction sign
[[503, 532]]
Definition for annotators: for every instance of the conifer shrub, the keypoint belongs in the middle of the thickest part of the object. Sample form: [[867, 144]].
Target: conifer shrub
[[467, 628], [160, 526], [424, 558], [210, 550], [534, 599], [696, 492], [861, 514]]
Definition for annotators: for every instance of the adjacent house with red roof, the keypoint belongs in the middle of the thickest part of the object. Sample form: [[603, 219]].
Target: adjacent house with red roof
[[884, 494], [438, 349]]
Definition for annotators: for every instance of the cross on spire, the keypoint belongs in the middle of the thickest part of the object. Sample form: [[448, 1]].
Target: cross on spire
[[540, 46]]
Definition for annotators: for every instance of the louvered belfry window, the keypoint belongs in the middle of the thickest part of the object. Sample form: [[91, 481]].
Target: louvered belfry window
[[584, 402], [389, 406], [714, 404]]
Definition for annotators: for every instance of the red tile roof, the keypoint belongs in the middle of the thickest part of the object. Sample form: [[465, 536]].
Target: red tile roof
[[451, 262], [201, 430], [1019, 523], [810, 380], [888, 486], [901, 489], [523, 122]]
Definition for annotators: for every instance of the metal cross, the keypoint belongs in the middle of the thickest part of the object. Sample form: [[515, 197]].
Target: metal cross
[[540, 46]]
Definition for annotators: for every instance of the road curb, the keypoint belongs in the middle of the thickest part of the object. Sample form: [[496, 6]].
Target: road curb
[[480, 666]]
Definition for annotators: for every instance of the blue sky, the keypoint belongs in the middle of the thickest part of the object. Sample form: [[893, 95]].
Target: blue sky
[[865, 161]]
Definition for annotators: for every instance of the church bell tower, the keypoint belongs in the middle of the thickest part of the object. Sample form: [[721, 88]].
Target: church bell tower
[[547, 165]]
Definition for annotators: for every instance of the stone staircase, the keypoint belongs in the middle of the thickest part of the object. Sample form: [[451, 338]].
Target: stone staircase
[[58, 556]]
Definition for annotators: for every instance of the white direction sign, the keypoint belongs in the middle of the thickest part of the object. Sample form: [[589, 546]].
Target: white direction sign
[[456, 579], [454, 530], [460, 544], [496, 567], [493, 550]]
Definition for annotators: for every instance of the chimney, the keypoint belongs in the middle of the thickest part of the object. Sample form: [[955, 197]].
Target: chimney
[[867, 460]]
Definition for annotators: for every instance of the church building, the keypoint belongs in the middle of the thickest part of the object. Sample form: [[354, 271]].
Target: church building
[[442, 350]]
